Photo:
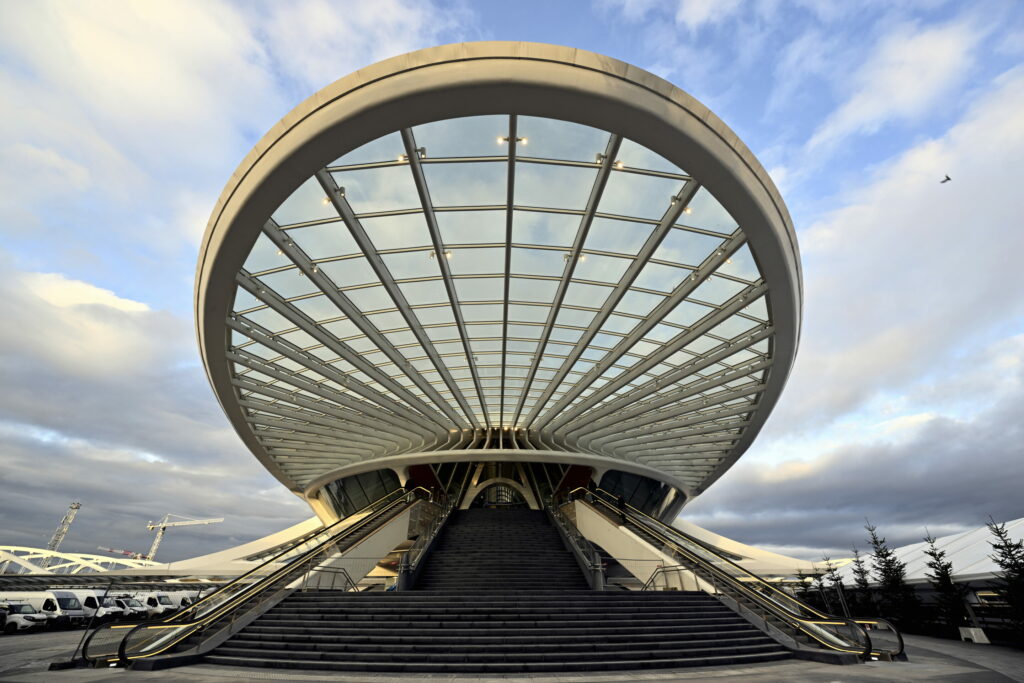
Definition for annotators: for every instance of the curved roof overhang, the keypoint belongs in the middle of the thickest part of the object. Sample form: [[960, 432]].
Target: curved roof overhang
[[524, 79]]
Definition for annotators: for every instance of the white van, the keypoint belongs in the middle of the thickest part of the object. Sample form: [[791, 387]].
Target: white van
[[96, 606], [133, 608], [182, 599], [61, 607], [156, 603], [21, 616]]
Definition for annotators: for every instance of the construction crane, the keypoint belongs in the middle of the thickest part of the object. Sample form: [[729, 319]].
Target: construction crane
[[120, 551], [61, 532], [166, 522]]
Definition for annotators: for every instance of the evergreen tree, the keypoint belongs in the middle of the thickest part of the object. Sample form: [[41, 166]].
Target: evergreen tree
[[1010, 583], [950, 596], [863, 605], [896, 598], [833, 577]]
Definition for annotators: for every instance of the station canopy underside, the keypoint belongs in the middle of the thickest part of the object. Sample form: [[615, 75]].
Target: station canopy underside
[[510, 275]]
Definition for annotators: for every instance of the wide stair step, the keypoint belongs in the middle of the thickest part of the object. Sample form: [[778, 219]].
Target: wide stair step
[[499, 594]]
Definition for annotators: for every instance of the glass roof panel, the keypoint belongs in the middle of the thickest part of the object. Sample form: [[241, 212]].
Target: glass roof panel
[[398, 232], [530, 289], [581, 294], [349, 272], [289, 283], [387, 188], [552, 186], [638, 303], [269, 320], [370, 298], [424, 292], [467, 136], [631, 194], [412, 264], [478, 261], [386, 148], [554, 139], [758, 309], [324, 240], [482, 312], [244, 300], [684, 246], [706, 213], [435, 315], [551, 229], [528, 314], [473, 184], [264, 256], [308, 203], [624, 237], [635, 155], [480, 288], [601, 268], [471, 227], [318, 308], [716, 290], [687, 313], [661, 278], [733, 326], [741, 264], [537, 261]]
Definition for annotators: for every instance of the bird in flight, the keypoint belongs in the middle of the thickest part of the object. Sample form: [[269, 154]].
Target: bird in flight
[[945, 180]]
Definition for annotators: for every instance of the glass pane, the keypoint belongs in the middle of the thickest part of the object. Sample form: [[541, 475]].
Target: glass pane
[[412, 264], [477, 261], [580, 294], [385, 148], [538, 261], [476, 184], [716, 290], [624, 237], [289, 283], [468, 136], [528, 289], [559, 187], [741, 264], [324, 241], [661, 278], [244, 300], [349, 272], [638, 303], [370, 298], [308, 203], [683, 246], [398, 232], [553, 139], [553, 229], [601, 268], [426, 292], [706, 213], [471, 227], [630, 194], [379, 189], [636, 155], [318, 308], [264, 256], [480, 289]]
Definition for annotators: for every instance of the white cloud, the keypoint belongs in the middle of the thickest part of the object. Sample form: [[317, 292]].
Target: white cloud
[[909, 73], [57, 290], [694, 14], [911, 272]]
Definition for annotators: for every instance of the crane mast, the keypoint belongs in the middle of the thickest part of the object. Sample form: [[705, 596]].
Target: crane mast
[[61, 532]]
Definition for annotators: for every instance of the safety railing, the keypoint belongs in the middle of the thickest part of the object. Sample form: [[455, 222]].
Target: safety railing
[[587, 555], [721, 575], [118, 644], [411, 558]]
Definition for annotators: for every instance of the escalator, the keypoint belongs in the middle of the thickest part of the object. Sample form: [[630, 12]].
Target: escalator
[[317, 561], [677, 561]]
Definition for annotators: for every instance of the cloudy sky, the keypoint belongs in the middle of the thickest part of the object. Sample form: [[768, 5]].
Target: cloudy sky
[[122, 121]]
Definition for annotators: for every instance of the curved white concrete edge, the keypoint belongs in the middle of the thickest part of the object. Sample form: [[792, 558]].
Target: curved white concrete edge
[[487, 78]]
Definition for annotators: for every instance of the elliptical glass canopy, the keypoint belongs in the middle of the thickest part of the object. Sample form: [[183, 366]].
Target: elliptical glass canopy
[[525, 276]]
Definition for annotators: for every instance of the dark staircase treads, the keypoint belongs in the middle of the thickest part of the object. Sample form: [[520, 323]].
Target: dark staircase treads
[[500, 594]]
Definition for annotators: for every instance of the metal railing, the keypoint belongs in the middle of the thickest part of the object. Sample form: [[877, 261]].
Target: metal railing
[[702, 567], [119, 644], [410, 562], [587, 555]]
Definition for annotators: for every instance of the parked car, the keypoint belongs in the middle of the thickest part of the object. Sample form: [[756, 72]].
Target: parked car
[[61, 607], [21, 616], [133, 608], [156, 603]]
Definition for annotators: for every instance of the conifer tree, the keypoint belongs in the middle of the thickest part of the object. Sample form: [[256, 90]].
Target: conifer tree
[[950, 595], [896, 598], [1010, 583], [863, 604], [833, 577]]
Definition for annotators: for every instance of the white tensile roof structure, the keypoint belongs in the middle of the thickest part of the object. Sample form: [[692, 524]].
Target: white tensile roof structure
[[523, 248]]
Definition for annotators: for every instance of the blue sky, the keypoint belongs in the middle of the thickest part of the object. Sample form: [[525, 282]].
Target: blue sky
[[124, 120]]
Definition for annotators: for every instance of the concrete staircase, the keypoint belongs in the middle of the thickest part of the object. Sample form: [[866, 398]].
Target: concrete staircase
[[499, 595]]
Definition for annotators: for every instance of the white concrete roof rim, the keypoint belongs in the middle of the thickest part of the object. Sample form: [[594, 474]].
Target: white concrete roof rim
[[495, 78]]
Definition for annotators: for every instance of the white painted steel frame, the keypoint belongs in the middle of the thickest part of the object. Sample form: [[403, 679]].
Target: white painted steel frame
[[307, 431]]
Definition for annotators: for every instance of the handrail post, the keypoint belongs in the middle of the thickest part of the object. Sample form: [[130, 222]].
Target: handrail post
[[598, 571]]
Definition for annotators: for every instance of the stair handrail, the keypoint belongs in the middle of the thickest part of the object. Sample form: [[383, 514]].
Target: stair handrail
[[585, 551], [415, 551], [783, 609], [247, 590]]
